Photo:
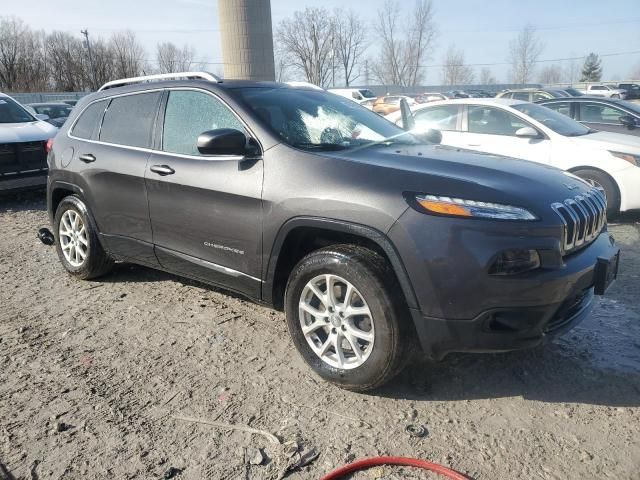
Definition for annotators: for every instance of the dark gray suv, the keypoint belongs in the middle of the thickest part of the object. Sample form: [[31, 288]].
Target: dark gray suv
[[370, 240]]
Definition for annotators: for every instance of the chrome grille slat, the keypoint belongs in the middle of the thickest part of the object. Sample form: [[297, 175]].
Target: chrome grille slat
[[583, 217]]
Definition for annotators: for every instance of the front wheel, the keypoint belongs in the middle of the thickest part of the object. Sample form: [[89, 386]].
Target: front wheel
[[603, 180], [345, 317], [77, 244]]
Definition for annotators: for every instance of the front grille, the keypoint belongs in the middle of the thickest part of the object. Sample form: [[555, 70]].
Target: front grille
[[22, 157], [583, 217]]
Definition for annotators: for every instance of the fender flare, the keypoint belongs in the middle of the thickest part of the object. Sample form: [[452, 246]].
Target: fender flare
[[60, 185], [356, 229]]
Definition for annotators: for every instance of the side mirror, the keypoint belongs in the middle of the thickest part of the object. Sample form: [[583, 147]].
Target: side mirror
[[527, 132], [408, 122], [628, 121], [430, 135], [42, 116], [222, 141]]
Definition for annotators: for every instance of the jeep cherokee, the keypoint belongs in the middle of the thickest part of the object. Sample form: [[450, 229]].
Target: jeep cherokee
[[370, 240]]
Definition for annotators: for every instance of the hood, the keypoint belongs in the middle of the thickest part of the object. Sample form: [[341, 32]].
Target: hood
[[618, 142], [26, 132], [449, 171]]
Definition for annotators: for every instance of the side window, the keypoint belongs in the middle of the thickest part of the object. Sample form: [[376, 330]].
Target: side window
[[89, 120], [598, 87], [560, 107], [599, 113], [129, 120], [188, 114], [521, 96], [443, 117], [541, 96], [493, 121]]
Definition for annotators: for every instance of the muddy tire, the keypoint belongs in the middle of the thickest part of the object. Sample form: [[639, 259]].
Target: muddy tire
[[347, 318]]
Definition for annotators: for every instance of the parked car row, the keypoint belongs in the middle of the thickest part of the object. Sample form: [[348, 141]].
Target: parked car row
[[519, 129]]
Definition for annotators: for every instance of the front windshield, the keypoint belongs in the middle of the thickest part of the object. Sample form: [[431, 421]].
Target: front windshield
[[54, 111], [318, 120], [12, 112], [557, 122]]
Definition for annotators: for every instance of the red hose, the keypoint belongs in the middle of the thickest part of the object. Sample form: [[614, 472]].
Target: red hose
[[402, 461]]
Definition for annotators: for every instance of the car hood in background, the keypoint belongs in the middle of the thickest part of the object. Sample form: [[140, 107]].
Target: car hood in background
[[618, 142], [26, 132]]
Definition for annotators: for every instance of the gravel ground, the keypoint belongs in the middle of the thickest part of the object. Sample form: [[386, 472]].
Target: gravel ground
[[95, 375]]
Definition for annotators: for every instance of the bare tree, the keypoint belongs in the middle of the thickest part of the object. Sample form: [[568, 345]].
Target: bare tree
[[486, 77], [306, 42], [103, 61], [405, 45], [571, 70], [65, 57], [454, 70], [550, 74], [524, 51], [12, 31], [282, 67], [350, 34], [171, 59], [34, 70], [128, 54]]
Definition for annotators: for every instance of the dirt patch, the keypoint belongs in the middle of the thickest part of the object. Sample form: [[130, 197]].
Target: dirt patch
[[94, 374]]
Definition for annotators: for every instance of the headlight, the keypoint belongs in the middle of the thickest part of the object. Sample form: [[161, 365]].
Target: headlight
[[458, 207], [632, 159]]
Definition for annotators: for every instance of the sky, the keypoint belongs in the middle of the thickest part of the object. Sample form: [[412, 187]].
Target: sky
[[482, 29]]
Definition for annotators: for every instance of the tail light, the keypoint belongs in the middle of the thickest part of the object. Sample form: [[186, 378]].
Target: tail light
[[49, 145]]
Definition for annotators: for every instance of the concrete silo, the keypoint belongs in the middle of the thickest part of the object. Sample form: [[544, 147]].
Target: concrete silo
[[247, 39]]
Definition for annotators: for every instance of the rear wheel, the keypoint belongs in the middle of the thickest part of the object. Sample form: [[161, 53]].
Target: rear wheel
[[344, 316], [615, 95], [603, 180], [77, 243]]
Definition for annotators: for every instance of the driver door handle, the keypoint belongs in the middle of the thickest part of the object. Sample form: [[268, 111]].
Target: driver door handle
[[162, 170], [87, 158]]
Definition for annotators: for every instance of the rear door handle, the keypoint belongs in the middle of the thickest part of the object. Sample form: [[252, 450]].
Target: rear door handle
[[87, 158], [162, 170]]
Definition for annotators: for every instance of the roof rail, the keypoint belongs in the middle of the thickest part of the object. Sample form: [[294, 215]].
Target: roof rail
[[161, 76]]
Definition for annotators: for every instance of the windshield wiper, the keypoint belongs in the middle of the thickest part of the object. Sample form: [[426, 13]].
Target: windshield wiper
[[329, 147]]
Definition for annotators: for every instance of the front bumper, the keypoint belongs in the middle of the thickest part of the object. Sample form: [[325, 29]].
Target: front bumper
[[464, 309]]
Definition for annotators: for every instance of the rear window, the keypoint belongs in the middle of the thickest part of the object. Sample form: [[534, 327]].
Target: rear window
[[89, 120], [129, 120]]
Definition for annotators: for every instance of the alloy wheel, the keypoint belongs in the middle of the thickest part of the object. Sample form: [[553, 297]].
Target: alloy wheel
[[73, 238], [336, 321]]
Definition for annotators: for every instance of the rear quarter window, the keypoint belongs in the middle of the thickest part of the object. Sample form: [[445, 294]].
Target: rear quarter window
[[129, 120], [89, 119]]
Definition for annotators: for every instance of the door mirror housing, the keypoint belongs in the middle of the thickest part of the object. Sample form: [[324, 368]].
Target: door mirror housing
[[408, 122], [527, 132], [223, 141], [430, 135], [628, 121], [42, 116]]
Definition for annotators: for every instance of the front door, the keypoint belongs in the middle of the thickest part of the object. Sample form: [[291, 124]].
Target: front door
[[206, 211], [493, 130]]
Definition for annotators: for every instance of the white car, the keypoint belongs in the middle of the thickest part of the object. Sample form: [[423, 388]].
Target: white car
[[358, 95], [23, 146], [525, 130]]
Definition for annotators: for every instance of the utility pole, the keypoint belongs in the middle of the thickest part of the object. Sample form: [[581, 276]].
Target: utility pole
[[85, 32]]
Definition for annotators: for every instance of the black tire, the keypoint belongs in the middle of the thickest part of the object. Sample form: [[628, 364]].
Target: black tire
[[97, 262], [609, 185], [615, 95], [373, 278]]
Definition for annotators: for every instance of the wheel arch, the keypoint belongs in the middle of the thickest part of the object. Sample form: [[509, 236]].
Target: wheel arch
[[621, 193], [302, 235], [57, 191]]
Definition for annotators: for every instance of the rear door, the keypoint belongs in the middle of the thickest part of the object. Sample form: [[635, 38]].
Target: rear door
[[110, 161], [493, 130], [206, 211]]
